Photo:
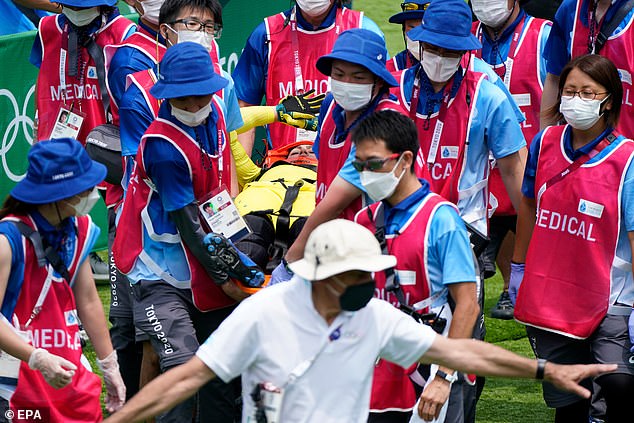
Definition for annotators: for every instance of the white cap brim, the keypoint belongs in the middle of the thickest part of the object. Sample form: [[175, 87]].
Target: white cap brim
[[312, 272]]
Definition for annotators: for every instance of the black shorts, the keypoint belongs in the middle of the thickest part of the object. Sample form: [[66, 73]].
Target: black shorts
[[499, 226], [610, 343], [174, 325]]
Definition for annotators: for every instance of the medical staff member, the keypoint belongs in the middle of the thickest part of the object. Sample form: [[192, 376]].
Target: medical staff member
[[575, 32], [575, 236], [512, 43], [323, 333], [180, 292], [434, 260], [280, 55], [46, 287], [410, 17]]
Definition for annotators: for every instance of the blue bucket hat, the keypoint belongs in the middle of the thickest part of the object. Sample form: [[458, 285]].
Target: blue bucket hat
[[85, 3], [362, 47], [447, 24], [185, 70], [407, 14], [57, 169]]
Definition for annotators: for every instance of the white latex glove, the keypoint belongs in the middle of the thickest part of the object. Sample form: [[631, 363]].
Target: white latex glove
[[57, 371], [115, 388]]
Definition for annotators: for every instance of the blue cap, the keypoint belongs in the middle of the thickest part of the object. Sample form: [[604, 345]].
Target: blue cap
[[406, 15], [57, 169], [362, 47], [446, 24], [85, 3], [185, 70]]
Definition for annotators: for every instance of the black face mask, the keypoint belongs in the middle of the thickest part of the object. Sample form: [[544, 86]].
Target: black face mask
[[356, 297]]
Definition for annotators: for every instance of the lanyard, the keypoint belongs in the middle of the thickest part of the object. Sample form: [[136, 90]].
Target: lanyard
[[79, 72], [576, 164], [507, 65], [299, 79], [593, 25], [220, 142], [43, 293]]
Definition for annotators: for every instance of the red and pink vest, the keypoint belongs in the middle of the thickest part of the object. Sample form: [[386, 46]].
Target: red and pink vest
[[83, 90], [619, 49], [141, 41], [207, 295], [571, 256], [391, 386], [522, 78], [56, 330], [333, 155], [311, 45], [446, 138]]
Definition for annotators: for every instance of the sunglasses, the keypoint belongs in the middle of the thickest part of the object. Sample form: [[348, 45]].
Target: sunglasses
[[408, 7], [373, 164]]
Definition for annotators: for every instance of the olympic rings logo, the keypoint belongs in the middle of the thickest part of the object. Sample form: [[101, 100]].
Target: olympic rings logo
[[20, 122]]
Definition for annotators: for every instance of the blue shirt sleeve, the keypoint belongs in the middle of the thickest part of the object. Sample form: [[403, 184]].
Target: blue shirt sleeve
[[349, 173], [369, 24], [251, 71], [480, 65], [36, 52], [502, 131], [232, 113], [169, 172], [449, 249], [135, 118], [543, 63], [16, 275], [627, 202], [126, 61], [528, 183], [557, 52]]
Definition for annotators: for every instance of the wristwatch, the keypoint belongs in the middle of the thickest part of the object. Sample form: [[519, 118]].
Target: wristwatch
[[449, 378]]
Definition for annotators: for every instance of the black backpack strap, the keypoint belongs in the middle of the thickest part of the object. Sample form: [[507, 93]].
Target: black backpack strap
[[609, 27], [282, 227], [44, 253]]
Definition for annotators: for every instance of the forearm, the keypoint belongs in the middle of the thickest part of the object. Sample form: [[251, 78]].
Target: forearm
[[339, 196], [253, 116], [40, 4], [512, 172], [464, 316], [247, 138], [246, 170], [13, 344], [549, 98], [164, 392], [524, 231]]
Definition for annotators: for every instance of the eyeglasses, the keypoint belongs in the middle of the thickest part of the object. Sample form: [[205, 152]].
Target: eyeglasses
[[439, 51], [408, 7], [373, 164], [196, 25], [583, 94]]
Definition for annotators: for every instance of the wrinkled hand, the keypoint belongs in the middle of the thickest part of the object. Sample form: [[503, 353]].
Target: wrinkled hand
[[57, 371], [280, 274], [517, 275], [630, 327], [434, 396], [567, 377], [115, 388]]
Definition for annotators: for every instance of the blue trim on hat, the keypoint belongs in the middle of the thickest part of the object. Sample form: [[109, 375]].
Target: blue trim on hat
[[85, 3]]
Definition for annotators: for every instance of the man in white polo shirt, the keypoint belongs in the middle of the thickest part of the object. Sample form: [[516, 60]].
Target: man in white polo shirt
[[306, 349]]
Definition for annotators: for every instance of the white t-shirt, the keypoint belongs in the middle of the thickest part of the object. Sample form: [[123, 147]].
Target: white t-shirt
[[271, 333]]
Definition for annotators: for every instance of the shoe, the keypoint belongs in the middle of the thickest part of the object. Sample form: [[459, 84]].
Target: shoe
[[232, 261], [98, 266], [504, 308]]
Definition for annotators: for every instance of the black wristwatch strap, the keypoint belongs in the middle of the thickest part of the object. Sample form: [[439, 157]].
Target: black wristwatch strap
[[449, 378], [541, 365]]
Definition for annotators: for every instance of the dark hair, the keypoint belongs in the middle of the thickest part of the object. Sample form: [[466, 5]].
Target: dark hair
[[14, 206], [397, 131], [172, 8], [602, 71]]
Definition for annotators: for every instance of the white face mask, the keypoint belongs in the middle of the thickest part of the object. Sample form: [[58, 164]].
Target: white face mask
[[81, 17], [492, 13], [86, 203], [191, 118], [413, 47], [313, 7], [581, 114], [380, 186], [439, 68], [198, 37], [151, 9], [351, 96]]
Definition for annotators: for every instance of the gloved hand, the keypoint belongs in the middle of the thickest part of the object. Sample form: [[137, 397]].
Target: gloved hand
[[280, 274], [300, 110], [517, 274], [232, 261], [115, 388], [630, 327], [57, 371]]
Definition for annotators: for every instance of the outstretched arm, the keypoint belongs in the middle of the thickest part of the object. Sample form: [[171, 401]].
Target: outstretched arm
[[164, 392]]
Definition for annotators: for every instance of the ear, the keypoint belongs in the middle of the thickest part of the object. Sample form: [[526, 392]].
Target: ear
[[408, 159]]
